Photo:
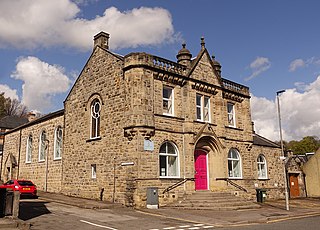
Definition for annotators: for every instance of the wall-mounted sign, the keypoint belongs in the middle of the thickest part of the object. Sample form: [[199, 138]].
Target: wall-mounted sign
[[148, 145]]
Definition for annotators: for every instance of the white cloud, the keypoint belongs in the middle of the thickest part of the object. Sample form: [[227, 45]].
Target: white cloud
[[33, 23], [258, 66], [295, 64], [41, 82], [8, 92], [300, 63], [299, 113]]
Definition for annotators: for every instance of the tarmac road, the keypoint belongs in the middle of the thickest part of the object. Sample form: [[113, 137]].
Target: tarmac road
[[306, 223], [56, 216], [56, 211]]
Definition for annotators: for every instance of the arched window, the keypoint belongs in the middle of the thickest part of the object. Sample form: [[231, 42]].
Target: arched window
[[42, 146], [262, 167], [234, 164], [168, 160], [95, 119], [58, 143], [29, 149]]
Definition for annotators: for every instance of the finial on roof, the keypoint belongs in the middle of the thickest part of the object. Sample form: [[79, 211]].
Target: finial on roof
[[202, 43], [184, 55]]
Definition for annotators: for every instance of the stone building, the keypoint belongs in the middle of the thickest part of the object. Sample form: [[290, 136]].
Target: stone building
[[139, 121], [311, 171]]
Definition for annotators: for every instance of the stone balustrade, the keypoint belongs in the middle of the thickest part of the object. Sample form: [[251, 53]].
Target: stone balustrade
[[235, 87], [145, 59]]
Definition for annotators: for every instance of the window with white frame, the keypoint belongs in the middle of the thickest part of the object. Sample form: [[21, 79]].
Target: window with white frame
[[95, 119], [231, 115], [42, 146], [29, 149], [203, 108], [93, 171], [262, 167], [234, 164], [167, 100], [58, 143], [168, 160]]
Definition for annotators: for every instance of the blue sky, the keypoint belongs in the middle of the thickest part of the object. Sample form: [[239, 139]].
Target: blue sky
[[266, 45]]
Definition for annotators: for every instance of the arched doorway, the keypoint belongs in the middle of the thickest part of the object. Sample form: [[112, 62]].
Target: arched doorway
[[208, 161], [201, 170]]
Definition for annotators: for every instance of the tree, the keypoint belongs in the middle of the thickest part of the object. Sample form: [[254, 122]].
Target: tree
[[11, 107], [2, 103], [306, 145]]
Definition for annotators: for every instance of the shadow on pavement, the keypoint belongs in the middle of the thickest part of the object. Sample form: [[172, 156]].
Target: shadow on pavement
[[30, 209]]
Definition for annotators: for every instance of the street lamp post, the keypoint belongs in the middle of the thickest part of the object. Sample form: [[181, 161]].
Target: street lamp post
[[282, 151]]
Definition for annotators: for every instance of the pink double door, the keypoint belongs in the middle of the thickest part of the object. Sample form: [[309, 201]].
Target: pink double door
[[201, 173]]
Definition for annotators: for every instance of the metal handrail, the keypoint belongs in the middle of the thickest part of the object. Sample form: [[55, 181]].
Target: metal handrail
[[233, 184], [181, 182]]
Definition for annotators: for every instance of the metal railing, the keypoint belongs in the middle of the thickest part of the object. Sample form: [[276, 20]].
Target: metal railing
[[233, 184], [177, 184]]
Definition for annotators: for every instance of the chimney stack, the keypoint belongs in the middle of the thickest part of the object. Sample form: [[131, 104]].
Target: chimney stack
[[102, 40], [31, 116]]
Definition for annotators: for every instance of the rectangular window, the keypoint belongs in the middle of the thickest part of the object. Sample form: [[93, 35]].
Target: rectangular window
[[203, 108], [167, 100], [231, 115], [93, 171]]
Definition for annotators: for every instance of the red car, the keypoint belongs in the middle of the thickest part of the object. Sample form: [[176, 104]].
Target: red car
[[25, 187]]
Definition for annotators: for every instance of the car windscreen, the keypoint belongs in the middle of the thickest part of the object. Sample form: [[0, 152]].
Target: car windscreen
[[25, 183]]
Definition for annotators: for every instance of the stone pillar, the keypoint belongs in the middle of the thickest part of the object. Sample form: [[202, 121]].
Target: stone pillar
[[16, 202]]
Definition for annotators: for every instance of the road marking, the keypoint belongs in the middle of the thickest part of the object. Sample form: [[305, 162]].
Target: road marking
[[172, 218], [97, 225], [294, 217]]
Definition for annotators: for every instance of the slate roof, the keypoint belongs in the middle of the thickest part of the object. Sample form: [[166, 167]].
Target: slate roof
[[11, 122], [38, 120], [262, 141]]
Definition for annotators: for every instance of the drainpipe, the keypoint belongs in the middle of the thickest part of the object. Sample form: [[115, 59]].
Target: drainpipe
[[2, 155], [20, 134], [184, 158], [114, 179]]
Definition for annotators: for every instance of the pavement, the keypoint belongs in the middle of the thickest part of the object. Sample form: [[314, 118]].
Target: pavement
[[270, 211]]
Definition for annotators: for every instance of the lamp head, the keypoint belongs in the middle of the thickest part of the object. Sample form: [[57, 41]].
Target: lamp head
[[280, 92]]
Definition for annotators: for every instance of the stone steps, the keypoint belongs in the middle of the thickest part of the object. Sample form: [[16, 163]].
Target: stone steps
[[213, 201]]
